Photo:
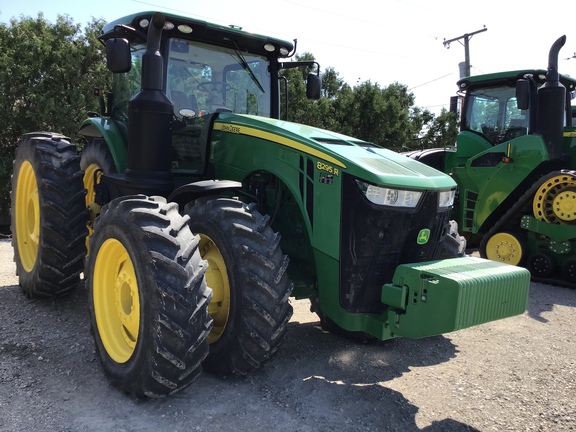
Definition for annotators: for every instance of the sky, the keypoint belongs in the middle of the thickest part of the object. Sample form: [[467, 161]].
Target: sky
[[383, 41]]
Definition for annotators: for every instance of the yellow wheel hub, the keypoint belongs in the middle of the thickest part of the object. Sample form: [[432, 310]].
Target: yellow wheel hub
[[89, 184], [116, 300], [505, 248], [555, 200], [27, 216], [565, 206], [217, 280]]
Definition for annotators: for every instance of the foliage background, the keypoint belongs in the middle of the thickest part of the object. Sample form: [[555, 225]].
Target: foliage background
[[49, 71], [48, 74]]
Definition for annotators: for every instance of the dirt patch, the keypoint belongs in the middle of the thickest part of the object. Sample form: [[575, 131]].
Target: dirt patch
[[515, 374]]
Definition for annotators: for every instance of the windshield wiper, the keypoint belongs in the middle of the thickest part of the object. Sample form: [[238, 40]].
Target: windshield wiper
[[246, 67]]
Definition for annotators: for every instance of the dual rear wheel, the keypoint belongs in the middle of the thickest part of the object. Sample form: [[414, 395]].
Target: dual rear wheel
[[48, 215], [151, 311]]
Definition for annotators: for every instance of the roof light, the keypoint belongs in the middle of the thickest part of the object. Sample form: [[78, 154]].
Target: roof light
[[269, 47], [168, 25], [284, 51], [144, 23], [185, 28]]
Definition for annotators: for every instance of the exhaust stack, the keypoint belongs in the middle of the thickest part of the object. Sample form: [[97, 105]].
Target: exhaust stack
[[551, 105], [150, 115]]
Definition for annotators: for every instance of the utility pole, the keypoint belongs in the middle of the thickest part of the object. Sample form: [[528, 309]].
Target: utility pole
[[466, 38]]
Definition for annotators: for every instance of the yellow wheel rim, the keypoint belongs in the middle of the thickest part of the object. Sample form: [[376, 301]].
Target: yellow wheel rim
[[27, 216], [89, 186], [505, 248], [116, 300], [565, 206], [217, 280], [89, 181], [544, 201]]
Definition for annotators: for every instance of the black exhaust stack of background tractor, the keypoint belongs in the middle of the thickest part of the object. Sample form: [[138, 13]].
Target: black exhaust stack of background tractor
[[551, 102]]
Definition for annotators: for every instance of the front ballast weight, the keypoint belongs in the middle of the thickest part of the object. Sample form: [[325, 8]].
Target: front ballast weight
[[438, 297]]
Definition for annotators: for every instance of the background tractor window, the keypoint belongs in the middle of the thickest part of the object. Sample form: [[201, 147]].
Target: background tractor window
[[494, 113]]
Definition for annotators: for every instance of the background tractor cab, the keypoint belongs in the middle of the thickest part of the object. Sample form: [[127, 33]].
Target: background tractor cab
[[514, 162]]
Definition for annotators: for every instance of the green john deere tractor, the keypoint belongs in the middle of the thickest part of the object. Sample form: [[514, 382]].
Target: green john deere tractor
[[514, 163], [198, 196]]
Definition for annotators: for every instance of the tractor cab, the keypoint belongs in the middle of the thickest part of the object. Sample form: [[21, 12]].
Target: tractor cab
[[201, 81], [207, 70], [500, 107], [492, 113]]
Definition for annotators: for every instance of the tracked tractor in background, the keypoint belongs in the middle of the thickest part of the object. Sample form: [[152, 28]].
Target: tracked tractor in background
[[205, 212], [515, 162]]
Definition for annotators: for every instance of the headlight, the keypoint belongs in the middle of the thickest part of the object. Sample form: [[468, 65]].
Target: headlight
[[390, 197], [446, 198]]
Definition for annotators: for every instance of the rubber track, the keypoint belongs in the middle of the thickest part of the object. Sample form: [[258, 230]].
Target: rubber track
[[510, 221]]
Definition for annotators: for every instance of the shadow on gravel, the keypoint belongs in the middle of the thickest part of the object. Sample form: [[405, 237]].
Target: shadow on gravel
[[322, 369], [543, 298], [352, 362], [316, 382]]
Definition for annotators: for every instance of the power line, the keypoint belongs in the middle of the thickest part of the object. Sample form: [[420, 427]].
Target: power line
[[435, 79]]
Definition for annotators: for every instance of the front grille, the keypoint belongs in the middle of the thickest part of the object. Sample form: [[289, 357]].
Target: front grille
[[376, 239]]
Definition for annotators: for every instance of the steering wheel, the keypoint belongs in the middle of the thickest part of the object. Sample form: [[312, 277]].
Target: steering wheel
[[208, 86]]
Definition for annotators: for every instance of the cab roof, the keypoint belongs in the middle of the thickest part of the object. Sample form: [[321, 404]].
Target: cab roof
[[510, 78], [192, 28]]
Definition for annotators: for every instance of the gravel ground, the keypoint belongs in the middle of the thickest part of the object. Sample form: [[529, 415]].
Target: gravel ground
[[517, 374]]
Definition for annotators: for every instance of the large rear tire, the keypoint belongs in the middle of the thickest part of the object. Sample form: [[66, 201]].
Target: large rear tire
[[247, 272], [148, 298], [48, 217]]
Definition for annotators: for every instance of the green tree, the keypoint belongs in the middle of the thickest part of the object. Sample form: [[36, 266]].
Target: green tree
[[319, 113], [386, 116], [49, 71], [435, 131], [379, 115]]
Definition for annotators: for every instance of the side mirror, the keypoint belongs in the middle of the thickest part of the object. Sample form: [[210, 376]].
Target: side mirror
[[118, 59], [313, 86], [523, 94]]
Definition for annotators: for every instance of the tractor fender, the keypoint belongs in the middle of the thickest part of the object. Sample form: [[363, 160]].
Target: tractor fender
[[191, 191], [100, 127]]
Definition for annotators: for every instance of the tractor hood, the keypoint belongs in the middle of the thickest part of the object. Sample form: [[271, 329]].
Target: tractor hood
[[359, 158]]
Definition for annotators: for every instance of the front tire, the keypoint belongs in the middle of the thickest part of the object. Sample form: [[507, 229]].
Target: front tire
[[247, 272], [48, 215], [148, 299]]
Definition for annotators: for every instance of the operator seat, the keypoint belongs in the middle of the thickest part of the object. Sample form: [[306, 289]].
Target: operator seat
[[180, 100]]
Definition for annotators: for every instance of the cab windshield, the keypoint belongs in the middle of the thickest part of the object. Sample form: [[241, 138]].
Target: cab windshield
[[203, 79], [493, 113]]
